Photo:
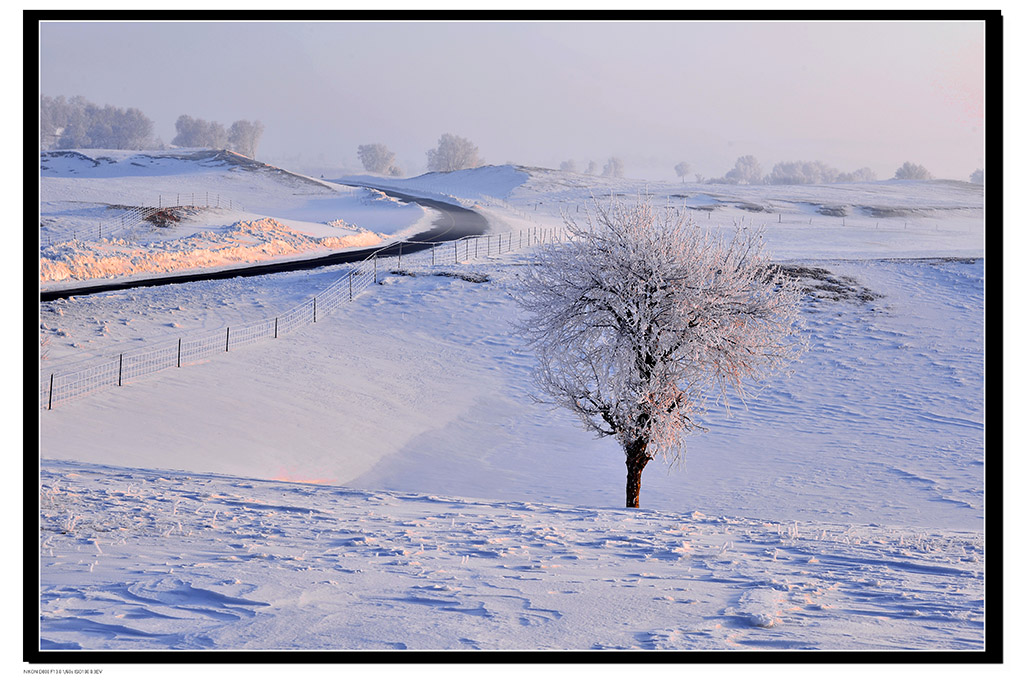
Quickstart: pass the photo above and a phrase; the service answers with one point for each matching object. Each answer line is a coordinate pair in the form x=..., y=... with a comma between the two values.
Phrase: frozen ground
x=382, y=479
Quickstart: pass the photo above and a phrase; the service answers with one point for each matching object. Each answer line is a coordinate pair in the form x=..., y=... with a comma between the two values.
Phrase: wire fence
x=58, y=386
x=131, y=216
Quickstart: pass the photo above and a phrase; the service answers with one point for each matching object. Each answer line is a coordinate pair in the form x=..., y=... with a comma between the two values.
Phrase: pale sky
x=652, y=93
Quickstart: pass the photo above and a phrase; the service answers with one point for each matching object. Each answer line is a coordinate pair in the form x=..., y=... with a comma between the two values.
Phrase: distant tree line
x=77, y=123
x=243, y=136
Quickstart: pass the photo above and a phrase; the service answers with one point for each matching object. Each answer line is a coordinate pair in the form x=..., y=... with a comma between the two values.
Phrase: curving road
x=454, y=223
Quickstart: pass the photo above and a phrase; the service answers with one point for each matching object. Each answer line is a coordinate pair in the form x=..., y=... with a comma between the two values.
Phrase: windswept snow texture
x=140, y=559
x=383, y=479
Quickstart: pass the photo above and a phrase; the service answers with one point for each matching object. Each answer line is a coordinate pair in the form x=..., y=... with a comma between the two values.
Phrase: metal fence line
x=56, y=386
x=134, y=215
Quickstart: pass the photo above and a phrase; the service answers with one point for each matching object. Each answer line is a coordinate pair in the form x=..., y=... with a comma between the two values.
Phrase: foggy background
x=651, y=93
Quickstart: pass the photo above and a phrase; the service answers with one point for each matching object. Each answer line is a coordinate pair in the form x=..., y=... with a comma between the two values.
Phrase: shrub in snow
x=864, y=174
x=641, y=317
x=453, y=153
x=911, y=171
x=568, y=166
x=978, y=176
x=802, y=173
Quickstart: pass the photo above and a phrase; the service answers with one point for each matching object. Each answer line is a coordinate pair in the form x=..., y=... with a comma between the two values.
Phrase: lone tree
x=453, y=153
x=641, y=318
x=912, y=171
x=244, y=137
x=682, y=170
x=377, y=158
x=615, y=168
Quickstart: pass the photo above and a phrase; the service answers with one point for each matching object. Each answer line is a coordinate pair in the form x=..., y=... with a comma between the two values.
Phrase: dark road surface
x=454, y=223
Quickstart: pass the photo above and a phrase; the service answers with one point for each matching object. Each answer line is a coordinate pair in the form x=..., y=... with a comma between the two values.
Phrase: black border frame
x=994, y=368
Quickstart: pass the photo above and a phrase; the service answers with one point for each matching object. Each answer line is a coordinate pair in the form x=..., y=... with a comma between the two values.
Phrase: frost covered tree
x=453, y=153
x=682, y=170
x=377, y=158
x=592, y=168
x=978, y=176
x=614, y=168
x=244, y=137
x=864, y=174
x=641, y=318
x=195, y=132
x=747, y=171
x=802, y=173
x=80, y=124
x=568, y=166
x=912, y=171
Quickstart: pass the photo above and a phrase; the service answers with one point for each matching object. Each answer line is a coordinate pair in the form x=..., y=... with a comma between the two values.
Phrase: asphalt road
x=454, y=223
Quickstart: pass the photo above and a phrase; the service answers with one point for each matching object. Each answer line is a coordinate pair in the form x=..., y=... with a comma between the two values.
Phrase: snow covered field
x=383, y=480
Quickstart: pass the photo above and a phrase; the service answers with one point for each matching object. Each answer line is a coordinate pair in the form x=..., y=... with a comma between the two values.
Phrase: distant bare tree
x=641, y=317
x=568, y=166
x=614, y=168
x=244, y=137
x=978, y=176
x=592, y=168
x=912, y=171
x=377, y=158
x=682, y=170
x=453, y=153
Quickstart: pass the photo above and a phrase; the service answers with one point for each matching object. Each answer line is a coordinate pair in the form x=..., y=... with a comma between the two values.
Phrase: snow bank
x=244, y=242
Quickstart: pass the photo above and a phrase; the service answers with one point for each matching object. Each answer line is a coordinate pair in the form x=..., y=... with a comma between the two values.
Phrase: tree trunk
x=636, y=459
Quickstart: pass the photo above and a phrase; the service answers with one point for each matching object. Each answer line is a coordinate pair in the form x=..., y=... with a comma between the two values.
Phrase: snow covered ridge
x=141, y=559
x=116, y=214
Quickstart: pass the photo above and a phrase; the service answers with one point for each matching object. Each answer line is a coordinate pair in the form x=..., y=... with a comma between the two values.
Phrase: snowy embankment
x=383, y=480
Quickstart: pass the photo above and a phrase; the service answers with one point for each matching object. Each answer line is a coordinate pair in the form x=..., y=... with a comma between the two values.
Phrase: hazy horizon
x=851, y=94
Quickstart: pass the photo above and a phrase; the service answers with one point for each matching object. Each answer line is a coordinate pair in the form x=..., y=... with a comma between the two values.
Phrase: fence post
x=275, y=327
x=120, y=363
x=49, y=404
x=227, y=339
x=476, y=247
x=432, y=262
x=179, y=352
x=374, y=281
x=314, y=310
x=399, y=255
x=456, y=245
x=350, y=285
